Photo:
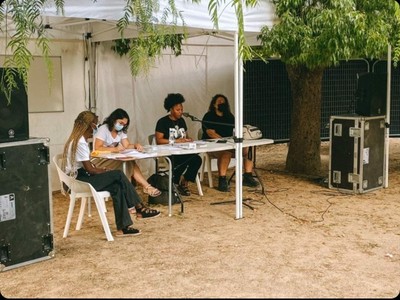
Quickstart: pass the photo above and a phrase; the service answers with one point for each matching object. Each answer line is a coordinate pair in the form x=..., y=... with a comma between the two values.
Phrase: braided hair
x=81, y=124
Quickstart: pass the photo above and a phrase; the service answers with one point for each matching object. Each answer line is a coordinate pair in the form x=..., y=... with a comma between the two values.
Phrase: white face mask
x=118, y=126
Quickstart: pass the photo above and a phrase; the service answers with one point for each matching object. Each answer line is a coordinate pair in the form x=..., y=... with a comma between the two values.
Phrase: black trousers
x=188, y=165
x=122, y=192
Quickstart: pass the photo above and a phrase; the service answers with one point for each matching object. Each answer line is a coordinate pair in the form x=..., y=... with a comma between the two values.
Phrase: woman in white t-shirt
x=111, y=136
x=76, y=163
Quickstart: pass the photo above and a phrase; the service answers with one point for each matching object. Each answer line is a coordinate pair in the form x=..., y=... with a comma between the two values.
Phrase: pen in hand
x=120, y=147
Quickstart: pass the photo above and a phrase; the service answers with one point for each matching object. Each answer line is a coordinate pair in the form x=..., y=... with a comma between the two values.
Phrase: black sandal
x=146, y=213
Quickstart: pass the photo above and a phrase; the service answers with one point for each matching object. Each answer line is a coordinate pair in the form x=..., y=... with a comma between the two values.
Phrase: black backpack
x=161, y=182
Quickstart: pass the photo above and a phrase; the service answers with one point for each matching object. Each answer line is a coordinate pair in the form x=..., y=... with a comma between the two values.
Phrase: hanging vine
x=154, y=44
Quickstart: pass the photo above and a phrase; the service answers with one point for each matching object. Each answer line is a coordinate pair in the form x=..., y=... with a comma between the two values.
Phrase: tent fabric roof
x=100, y=18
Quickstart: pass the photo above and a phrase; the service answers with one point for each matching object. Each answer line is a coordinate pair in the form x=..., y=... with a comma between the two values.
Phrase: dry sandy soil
x=301, y=240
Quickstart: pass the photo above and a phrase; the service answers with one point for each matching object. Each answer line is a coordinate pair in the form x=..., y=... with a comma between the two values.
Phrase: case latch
x=354, y=178
x=47, y=243
x=43, y=156
x=5, y=253
x=354, y=132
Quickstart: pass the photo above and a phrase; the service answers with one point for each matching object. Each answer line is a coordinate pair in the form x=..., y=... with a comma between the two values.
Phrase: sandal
x=146, y=212
x=151, y=191
x=128, y=231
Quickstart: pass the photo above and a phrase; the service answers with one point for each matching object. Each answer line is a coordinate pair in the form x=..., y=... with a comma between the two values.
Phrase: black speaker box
x=14, y=118
x=371, y=94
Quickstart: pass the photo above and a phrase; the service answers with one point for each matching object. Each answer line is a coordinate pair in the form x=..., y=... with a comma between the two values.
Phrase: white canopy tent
x=96, y=22
x=99, y=19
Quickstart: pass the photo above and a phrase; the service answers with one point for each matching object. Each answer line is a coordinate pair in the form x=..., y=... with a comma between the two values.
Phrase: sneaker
x=128, y=231
x=146, y=213
x=223, y=184
x=183, y=190
x=248, y=180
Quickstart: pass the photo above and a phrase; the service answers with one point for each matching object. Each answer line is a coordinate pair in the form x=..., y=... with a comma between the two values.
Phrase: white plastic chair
x=84, y=191
x=162, y=165
x=210, y=163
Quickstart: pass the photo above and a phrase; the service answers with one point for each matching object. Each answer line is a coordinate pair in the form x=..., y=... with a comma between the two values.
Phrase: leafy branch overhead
x=25, y=15
x=149, y=47
x=321, y=33
x=156, y=29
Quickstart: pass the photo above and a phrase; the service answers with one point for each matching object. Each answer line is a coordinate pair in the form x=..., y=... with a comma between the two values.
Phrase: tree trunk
x=305, y=137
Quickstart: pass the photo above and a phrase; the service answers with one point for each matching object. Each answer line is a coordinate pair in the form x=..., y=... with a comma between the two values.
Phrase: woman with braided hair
x=76, y=163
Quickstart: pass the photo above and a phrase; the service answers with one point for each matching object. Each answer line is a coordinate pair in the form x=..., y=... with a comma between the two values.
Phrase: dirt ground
x=302, y=240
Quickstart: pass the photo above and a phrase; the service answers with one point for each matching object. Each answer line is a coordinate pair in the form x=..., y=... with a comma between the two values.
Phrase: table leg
x=170, y=186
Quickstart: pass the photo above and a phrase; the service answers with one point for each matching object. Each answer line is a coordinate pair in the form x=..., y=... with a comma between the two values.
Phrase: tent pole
x=238, y=136
x=388, y=86
x=90, y=60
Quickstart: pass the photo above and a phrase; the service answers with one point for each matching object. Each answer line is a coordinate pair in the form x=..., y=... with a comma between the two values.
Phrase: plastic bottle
x=171, y=140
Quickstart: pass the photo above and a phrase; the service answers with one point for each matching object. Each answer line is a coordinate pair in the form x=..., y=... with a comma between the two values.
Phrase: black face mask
x=223, y=107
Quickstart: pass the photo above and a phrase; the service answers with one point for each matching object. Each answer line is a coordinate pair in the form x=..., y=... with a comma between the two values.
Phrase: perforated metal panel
x=267, y=97
x=338, y=91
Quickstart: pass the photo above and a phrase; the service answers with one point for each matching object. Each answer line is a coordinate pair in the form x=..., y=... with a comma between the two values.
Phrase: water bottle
x=171, y=140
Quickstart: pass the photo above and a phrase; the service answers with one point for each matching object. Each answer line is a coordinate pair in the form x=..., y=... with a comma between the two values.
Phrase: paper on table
x=130, y=152
x=115, y=156
x=137, y=154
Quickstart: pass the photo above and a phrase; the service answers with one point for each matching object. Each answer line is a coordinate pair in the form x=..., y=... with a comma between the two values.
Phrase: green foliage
x=153, y=44
x=216, y=6
x=320, y=33
x=28, y=25
x=152, y=39
x=143, y=52
x=396, y=48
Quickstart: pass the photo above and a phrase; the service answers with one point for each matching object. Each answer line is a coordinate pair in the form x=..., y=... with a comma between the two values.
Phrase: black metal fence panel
x=267, y=97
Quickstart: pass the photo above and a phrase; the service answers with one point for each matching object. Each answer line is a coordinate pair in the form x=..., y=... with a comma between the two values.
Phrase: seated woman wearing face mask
x=219, y=122
x=112, y=136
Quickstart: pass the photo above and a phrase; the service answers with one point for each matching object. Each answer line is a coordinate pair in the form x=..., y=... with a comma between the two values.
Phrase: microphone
x=187, y=115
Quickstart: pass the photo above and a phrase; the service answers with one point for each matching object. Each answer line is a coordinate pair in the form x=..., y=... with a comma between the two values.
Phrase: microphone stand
x=193, y=118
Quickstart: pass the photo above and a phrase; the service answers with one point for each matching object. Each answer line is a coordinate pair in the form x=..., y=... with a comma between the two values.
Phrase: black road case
x=26, y=229
x=357, y=153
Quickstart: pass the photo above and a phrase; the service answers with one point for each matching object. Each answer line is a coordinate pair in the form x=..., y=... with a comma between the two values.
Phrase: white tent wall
x=84, y=16
x=198, y=74
x=58, y=125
